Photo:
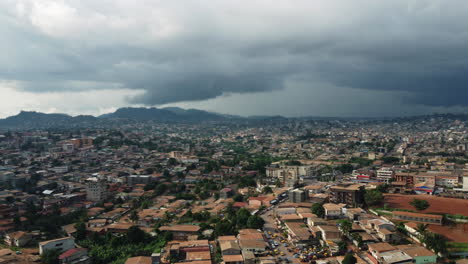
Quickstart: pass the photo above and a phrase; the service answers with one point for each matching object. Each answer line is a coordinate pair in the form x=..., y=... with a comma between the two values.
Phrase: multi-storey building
x=384, y=174
x=289, y=174
x=297, y=196
x=96, y=189
x=350, y=194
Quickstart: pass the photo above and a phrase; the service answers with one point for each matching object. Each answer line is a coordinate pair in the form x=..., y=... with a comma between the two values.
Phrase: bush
x=420, y=204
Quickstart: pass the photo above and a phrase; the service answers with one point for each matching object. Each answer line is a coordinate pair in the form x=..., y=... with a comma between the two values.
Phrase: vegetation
x=317, y=209
x=390, y=160
x=116, y=249
x=349, y=259
x=234, y=221
x=50, y=256
x=373, y=197
x=420, y=204
x=345, y=226
x=361, y=161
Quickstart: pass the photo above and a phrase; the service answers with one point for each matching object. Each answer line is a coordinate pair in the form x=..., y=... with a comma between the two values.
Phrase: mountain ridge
x=33, y=119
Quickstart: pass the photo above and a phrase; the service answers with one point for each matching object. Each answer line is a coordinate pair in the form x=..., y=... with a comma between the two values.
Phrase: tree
x=317, y=209
x=342, y=246
x=172, y=162
x=134, y=216
x=373, y=197
x=383, y=188
x=80, y=230
x=436, y=242
x=349, y=259
x=358, y=239
x=238, y=198
x=136, y=235
x=390, y=160
x=50, y=256
x=420, y=204
x=345, y=226
x=421, y=228
x=242, y=217
x=267, y=189
x=255, y=222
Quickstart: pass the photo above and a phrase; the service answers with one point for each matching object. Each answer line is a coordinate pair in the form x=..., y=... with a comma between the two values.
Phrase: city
x=272, y=191
x=233, y=132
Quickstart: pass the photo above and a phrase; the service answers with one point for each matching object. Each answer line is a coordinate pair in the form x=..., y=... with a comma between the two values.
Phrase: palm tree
x=421, y=229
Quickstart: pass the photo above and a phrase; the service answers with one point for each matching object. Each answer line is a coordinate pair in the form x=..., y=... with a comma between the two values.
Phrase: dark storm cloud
x=202, y=50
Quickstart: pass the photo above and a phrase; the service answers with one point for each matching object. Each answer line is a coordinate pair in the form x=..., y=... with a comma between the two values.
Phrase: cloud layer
x=197, y=50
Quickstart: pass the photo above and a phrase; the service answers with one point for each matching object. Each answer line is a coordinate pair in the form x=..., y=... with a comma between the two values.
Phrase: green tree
x=373, y=197
x=267, y=189
x=255, y=222
x=80, y=230
x=134, y=216
x=50, y=256
x=345, y=226
x=342, y=246
x=238, y=198
x=136, y=235
x=420, y=204
x=436, y=242
x=317, y=209
x=383, y=188
x=349, y=259
x=242, y=218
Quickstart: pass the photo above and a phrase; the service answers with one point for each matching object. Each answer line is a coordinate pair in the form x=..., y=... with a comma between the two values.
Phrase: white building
x=96, y=189
x=60, y=244
x=289, y=174
x=384, y=174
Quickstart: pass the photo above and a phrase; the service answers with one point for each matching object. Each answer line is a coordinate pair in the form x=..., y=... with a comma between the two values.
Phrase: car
x=285, y=244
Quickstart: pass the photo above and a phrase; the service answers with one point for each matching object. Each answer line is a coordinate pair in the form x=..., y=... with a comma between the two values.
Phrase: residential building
x=350, y=194
x=297, y=196
x=96, y=189
x=60, y=244
x=417, y=217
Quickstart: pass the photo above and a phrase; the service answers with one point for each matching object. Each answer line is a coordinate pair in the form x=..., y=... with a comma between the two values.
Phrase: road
x=270, y=226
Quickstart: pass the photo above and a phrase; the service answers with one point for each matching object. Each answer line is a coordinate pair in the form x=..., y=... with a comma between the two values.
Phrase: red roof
x=239, y=204
x=70, y=252
x=259, y=198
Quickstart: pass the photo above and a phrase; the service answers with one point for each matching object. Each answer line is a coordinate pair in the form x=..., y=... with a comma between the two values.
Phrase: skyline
x=290, y=58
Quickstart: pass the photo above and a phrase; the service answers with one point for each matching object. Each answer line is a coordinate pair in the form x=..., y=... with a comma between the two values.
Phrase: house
x=412, y=229
x=298, y=233
x=329, y=232
x=233, y=259
x=420, y=254
x=333, y=210
x=60, y=244
x=75, y=256
x=229, y=247
x=417, y=217
x=375, y=249
x=181, y=232
x=255, y=246
x=18, y=238
x=395, y=257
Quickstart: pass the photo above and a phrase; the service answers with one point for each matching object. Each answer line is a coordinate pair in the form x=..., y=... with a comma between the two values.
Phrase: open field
x=456, y=233
x=438, y=205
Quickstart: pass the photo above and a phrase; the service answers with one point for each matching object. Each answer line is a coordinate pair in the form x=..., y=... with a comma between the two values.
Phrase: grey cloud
x=417, y=47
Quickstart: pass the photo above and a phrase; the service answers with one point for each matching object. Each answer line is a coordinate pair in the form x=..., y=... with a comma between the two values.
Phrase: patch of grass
x=457, y=247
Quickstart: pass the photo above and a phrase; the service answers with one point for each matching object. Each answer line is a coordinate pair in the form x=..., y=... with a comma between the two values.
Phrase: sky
x=257, y=57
